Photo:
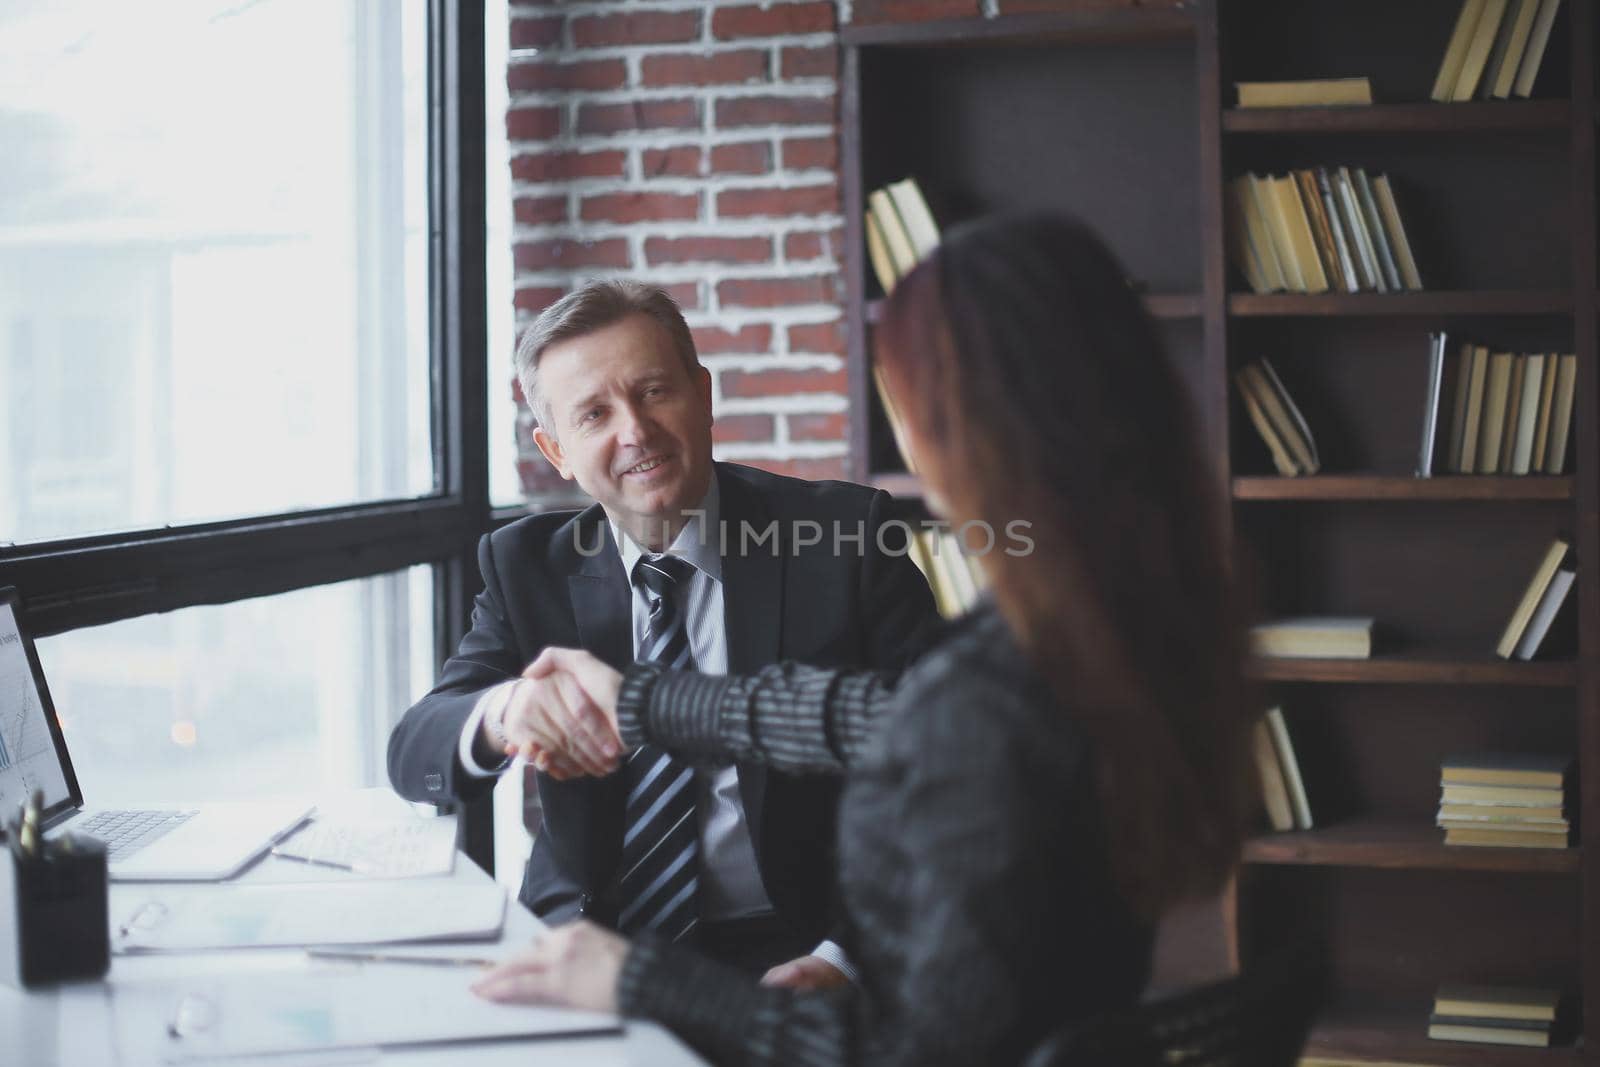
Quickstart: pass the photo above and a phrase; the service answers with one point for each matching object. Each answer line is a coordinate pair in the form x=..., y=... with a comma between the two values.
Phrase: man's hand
x=595, y=684
x=539, y=721
x=572, y=966
x=805, y=973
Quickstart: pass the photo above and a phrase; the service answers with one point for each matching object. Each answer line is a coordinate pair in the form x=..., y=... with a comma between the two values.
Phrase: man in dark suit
x=690, y=563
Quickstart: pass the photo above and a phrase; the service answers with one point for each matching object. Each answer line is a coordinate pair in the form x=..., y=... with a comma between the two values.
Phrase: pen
x=335, y=864
x=398, y=957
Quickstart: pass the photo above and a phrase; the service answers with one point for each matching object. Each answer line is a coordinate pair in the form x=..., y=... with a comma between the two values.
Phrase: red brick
x=830, y=427
x=592, y=75
x=563, y=252
x=746, y=157
x=802, y=200
x=707, y=250
x=775, y=292
x=568, y=166
x=539, y=210
x=702, y=68
x=537, y=298
x=742, y=383
x=638, y=115
x=743, y=428
x=775, y=111
x=533, y=123
x=640, y=207
x=685, y=294
x=802, y=246
x=639, y=27
x=864, y=12
x=679, y=161
x=825, y=337
x=812, y=469
x=801, y=62
x=778, y=20
x=713, y=340
x=811, y=153
x=536, y=32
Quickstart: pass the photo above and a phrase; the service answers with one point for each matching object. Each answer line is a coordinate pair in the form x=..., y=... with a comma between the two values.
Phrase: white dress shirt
x=730, y=880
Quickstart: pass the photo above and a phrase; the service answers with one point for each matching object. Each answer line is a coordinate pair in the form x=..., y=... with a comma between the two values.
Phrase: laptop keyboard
x=124, y=832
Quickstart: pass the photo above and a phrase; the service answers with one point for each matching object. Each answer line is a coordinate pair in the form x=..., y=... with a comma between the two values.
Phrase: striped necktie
x=660, y=844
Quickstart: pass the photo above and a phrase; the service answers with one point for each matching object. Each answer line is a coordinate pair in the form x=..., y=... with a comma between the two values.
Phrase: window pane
x=213, y=260
x=505, y=487
x=283, y=694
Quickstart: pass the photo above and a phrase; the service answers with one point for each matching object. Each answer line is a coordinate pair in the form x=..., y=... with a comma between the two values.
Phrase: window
x=213, y=260
x=285, y=694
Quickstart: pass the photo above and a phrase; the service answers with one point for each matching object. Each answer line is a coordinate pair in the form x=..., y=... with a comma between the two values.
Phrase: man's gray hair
x=588, y=309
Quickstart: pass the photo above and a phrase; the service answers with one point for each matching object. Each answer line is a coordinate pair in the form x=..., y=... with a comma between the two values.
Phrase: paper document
x=390, y=848
x=324, y=913
x=367, y=1005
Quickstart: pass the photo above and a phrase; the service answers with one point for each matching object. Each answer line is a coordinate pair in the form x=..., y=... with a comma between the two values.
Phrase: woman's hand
x=571, y=966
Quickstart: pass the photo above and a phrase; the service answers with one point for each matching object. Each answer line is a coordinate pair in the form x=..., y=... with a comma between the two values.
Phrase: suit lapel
x=752, y=608
x=603, y=610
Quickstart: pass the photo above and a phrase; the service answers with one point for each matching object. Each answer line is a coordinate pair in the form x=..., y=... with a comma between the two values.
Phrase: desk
x=31, y=1021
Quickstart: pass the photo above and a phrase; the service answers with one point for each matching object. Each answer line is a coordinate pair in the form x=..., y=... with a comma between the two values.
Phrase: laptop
x=206, y=843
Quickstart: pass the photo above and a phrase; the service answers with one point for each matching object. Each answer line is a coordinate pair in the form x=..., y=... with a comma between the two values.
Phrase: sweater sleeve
x=789, y=716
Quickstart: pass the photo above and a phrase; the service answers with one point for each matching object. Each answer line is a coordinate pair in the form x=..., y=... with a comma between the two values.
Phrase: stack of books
x=1505, y=800
x=1283, y=791
x=1546, y=594
x=1509, y=413
x=1494, y=1015
x=956, y=578
x=1495, y=50
x=1314, y=637
x=1277, y=419
x=1315, y=230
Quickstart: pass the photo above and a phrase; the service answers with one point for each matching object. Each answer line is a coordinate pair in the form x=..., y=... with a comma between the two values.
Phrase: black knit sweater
x=972, y=864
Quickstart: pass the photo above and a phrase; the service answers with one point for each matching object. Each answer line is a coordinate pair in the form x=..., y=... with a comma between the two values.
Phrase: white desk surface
x=31, y=1020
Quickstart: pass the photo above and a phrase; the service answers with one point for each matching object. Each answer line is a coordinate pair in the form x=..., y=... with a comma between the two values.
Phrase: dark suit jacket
x=783, y=601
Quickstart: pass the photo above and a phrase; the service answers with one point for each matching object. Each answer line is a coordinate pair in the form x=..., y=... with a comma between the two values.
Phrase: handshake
x=561, y=715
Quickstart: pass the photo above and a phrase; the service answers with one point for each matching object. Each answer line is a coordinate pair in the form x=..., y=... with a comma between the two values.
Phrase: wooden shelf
x=1476, y=117
x=1416, y=669
x=1067, y=27
x=1395, y=1030
x=1356, y=305
x=1407, y=846
x=1399, y=487
x=1159, y=305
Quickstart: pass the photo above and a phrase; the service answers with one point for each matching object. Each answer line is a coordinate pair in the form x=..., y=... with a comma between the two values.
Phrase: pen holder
x=53, y=923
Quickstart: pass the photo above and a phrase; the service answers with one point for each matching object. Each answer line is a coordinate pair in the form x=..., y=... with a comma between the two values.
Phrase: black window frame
x=76, y=582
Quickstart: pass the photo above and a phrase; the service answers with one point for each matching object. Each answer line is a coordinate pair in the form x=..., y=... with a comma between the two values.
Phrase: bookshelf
x=1123, y=116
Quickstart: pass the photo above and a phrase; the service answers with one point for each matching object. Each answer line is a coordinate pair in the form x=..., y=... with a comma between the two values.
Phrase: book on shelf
x=1497, y=1002
x=1555, y=457
x=878, y=254
x=1405, y=259
x=1485, y=1032
x=902, y=254
x=1289, y=764
x=1543, y=575
x=1274, y=789
x=1506, y=59
x=1495, y=50
x=1506, y=768
x=1307, y=92
x=1322, y=229
x=1551, y=607
x=1314, y=637
x=1493, y=423
x=1505, y=837
x=1503, y=796
x=1507, y=411
x=1294, y=227
x=1494, y=814
x=1533, y=51
x=1435, y=433
x=1475, y=378
x=1277, y=419
x=1382, y=249
x=920, y=228
x=1530, y=392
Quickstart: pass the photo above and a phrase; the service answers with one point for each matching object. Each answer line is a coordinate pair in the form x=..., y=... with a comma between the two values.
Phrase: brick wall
x=695, y=144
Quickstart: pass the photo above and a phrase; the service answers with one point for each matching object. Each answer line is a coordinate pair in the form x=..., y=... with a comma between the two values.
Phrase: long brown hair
x=1030, y=371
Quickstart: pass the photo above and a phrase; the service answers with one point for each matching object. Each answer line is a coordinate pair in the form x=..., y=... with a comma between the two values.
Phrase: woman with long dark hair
x=1070, y=761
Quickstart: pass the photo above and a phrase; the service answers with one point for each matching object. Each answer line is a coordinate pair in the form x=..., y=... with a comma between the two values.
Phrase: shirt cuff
x=830, y=953
x=491, y=698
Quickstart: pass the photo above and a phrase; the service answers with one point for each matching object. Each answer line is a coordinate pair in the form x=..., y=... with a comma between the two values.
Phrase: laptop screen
x=33, y=754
